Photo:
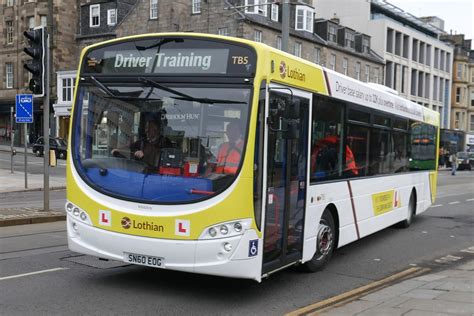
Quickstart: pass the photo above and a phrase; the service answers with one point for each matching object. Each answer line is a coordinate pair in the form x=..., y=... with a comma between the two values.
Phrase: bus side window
x=326, y=145
x=357, y=146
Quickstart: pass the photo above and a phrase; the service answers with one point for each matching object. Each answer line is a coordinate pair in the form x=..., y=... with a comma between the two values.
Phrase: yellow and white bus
x=316, y=160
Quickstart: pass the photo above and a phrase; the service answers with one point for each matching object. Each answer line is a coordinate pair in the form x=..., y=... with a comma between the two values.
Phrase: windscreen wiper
x=112, y=95
x=186, y=97
x=101, y=86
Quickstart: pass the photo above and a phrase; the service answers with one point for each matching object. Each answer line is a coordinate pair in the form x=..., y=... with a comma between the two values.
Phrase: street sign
x=24, y=108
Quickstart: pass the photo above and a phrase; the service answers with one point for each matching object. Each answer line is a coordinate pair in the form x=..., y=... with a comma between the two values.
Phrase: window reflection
x=148, y=144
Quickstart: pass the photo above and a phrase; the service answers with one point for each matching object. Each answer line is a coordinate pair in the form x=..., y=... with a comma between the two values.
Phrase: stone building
x=16, y=16
x=348, y=52
x=101, y=20
x=417, y=62
x=240, y=18
x=462, y=95
x=97, y=21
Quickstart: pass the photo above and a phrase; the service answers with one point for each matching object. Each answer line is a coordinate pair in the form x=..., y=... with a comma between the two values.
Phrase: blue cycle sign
x=24, y=108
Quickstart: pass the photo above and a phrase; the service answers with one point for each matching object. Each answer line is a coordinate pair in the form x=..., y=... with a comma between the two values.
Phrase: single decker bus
x=223, y=156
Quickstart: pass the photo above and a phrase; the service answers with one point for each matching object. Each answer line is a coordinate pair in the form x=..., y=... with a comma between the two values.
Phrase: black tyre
x=326, y=241
x=410, y=213
x=62, y=155
x=38, y=153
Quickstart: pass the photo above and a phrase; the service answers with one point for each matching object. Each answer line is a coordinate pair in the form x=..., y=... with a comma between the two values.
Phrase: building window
x=257, y=36
x=471, y=125
x=67, y=89
x=224, y=31
x=9, y=75
x=317, y=55
x=9, y=32
x=31, y=22
x=357, y=74
x=278, y=42
x=376, y=75
x=367, y=73
x=459, y=72
x=153, y=9
x=332, y=33
x=111, y=16
x=253, y=7
x=344, y=65
x=458, y=94
x=457, y=116
x=10, y=3
x=94, y=15
x=196, y=6
x=43, y=20
x=332, y=65
x=304, y=18
x=297, y=49
x=275, y=12
x=349, y=40
x=365, y=45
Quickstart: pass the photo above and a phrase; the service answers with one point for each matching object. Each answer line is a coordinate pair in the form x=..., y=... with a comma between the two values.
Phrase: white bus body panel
x=197, y=256
x=338, y=194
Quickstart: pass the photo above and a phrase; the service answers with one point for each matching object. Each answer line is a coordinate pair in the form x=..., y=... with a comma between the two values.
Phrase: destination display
x=171, y=56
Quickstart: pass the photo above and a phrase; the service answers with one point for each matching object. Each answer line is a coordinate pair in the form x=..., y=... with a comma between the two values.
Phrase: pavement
x=446, y=291
x=15, y=182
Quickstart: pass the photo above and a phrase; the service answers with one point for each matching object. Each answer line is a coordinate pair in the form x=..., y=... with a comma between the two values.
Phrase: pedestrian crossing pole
x=46, y=129
x=11, y=138
x=26, y=164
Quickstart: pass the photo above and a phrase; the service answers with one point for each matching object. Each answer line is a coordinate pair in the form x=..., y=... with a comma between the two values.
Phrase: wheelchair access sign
x=24, y=108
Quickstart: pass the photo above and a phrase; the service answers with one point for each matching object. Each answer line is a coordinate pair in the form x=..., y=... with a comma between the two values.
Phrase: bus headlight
x=83, y=216
x=212, y=232
x=69, y=207
x=78, y=214
x=228, y=246
x=238, y=227
x=76, y=211
x=224, y=230
x=227, y=229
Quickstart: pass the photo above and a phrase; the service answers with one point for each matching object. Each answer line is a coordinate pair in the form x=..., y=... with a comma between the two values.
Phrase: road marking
x=468, y=250
x=437, y=205
x=448, y=258
x=356, y=293
x=469, y=200
x=455, y=202
x=31, y=273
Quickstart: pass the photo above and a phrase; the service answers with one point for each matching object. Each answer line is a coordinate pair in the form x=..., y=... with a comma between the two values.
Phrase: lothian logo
x=126, y=222
x=282, y=69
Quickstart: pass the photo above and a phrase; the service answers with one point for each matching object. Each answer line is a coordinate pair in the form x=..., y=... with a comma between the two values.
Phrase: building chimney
x=335, y=19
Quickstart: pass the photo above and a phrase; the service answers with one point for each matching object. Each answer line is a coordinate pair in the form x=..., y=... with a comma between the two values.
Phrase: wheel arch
x=414, y=194
x=331, y=207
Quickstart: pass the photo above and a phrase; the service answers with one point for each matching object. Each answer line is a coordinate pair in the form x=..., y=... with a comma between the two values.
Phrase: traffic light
x=37, y=39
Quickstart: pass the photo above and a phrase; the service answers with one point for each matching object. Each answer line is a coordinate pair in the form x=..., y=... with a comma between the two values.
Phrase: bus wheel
x=411, y=212
x=325, y=243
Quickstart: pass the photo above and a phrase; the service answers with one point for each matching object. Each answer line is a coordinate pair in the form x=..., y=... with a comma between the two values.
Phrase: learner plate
x=144, y=260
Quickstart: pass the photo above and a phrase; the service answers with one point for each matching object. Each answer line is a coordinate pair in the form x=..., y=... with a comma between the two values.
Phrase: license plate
x=144, y=260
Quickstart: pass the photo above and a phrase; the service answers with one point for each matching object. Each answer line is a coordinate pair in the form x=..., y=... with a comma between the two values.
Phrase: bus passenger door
x=287, y=163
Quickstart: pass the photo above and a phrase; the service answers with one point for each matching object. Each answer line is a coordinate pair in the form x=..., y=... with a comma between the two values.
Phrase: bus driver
x=147, y=148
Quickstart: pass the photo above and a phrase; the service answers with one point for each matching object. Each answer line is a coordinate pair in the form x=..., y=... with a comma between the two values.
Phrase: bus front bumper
x=197, y=256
